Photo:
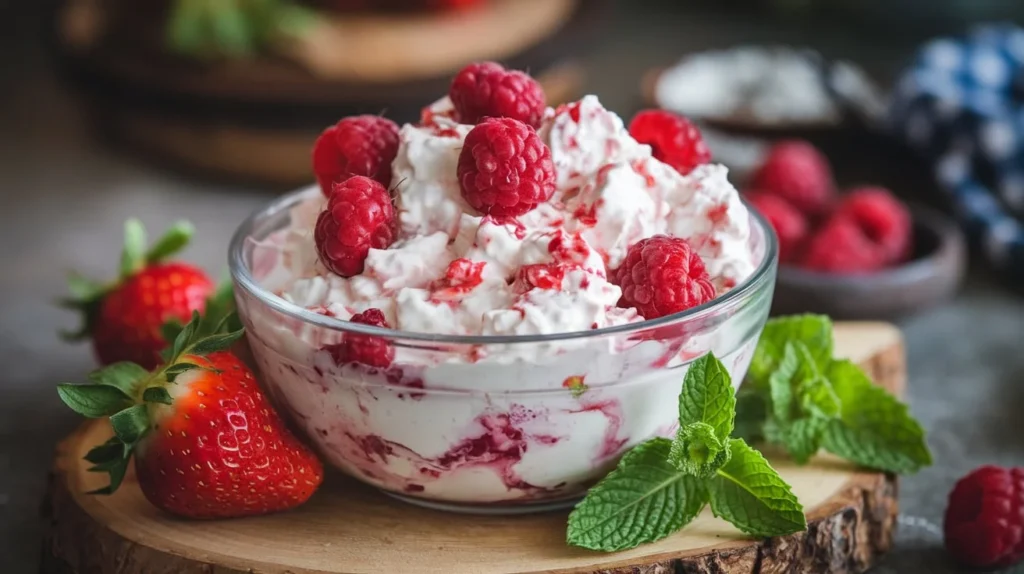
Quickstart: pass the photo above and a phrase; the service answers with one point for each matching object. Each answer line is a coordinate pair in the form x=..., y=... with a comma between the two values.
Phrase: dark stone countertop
x=63, y=198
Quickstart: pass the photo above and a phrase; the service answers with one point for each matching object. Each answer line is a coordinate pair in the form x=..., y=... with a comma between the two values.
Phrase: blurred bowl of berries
x=857, y=252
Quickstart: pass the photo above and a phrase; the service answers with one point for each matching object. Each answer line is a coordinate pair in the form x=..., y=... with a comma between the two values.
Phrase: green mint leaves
x=662, y=485
x=644, y=499
x=749, y=493
x=798, y=396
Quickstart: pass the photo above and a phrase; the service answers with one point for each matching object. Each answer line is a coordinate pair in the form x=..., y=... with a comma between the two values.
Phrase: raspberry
x=358, y=216
x=662, y=275
x=504, y=168
x=789, y=224
x=796, y=171
x=882, y=218
x=841, y=247
x=673, y=139
x=358, y=145
x=488, y=90
x=364, y=349
x=984, y=523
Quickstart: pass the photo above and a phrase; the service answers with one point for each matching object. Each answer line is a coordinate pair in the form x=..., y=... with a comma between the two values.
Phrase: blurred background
x=190, y=109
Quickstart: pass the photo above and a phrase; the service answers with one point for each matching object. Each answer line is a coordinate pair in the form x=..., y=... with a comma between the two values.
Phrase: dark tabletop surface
x=63, y=198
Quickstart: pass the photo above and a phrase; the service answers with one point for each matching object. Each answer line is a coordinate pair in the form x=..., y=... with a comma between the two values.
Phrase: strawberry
x=206, y=441
x=124, y=318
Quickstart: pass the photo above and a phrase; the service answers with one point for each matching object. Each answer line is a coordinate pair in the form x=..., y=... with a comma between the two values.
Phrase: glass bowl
x=487, y=423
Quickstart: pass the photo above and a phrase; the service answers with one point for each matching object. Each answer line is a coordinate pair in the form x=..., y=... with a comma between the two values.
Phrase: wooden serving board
x=350, y=528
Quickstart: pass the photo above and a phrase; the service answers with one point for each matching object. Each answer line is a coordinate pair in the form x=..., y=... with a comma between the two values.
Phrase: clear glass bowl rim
x=243, y=278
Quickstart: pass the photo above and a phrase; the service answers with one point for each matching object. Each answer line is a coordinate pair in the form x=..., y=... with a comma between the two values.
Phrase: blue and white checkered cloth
x=961, y=104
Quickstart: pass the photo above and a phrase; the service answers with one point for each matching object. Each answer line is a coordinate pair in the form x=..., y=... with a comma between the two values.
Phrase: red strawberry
x=206, y=440
x=125, y=318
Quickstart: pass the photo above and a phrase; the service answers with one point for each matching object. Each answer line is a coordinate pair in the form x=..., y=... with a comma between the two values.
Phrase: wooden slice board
x=350, y=528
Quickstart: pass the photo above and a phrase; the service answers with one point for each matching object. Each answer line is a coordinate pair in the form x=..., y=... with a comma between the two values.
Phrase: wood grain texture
x=348, y=528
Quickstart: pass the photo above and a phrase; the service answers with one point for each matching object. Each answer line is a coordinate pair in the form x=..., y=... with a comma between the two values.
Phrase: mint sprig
x=660, y=486
x=799, y=397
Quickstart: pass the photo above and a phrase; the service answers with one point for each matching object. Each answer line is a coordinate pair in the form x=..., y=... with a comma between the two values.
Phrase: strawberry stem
x=125, y=392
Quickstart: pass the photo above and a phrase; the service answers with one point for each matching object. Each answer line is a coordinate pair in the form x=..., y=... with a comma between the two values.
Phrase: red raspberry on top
x=504, y=168
x=488, y=90
x=358, y=145
x=797, y=172
x=358, y=216
x=662, y=275
x=364, y=349
x=673, y=139
x=984, y=523
x=789, y=224
x=840, y=246
x=883, y=219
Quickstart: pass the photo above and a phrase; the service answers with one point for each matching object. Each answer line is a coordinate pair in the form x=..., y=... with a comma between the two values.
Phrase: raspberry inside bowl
x=485, y=423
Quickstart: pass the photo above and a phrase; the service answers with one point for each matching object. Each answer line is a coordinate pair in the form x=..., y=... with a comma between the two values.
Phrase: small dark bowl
x=930, y=278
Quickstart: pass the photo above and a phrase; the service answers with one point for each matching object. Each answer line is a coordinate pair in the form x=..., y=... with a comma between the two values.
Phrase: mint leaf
x=817, y=399
x=781, y=382
x=751, y=414
x=124, y=375
x=172, y=241
x=93, y=401
x=697, y=451
x=133, y=254
x=644, y=499
x=748, y=493
x=708, y=397
x=874, y=429
x=802, y=437
x=814, y=331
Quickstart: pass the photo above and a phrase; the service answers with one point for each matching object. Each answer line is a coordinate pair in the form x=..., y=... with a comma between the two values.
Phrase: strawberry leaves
x=133, y=254
x=86, y=295
x=127, y=393
x=93, y=401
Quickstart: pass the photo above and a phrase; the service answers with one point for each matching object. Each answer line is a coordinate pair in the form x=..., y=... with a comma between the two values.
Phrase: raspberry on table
x=364, y=349
x=984, y=522
x=357, y=145
x=841, y=247
x=789, y=224
x=358, y=216
x=797, y=172
x=504, y=168
x=487, y=90
x=884, y=219
x=662, y=275
x=674, y=140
